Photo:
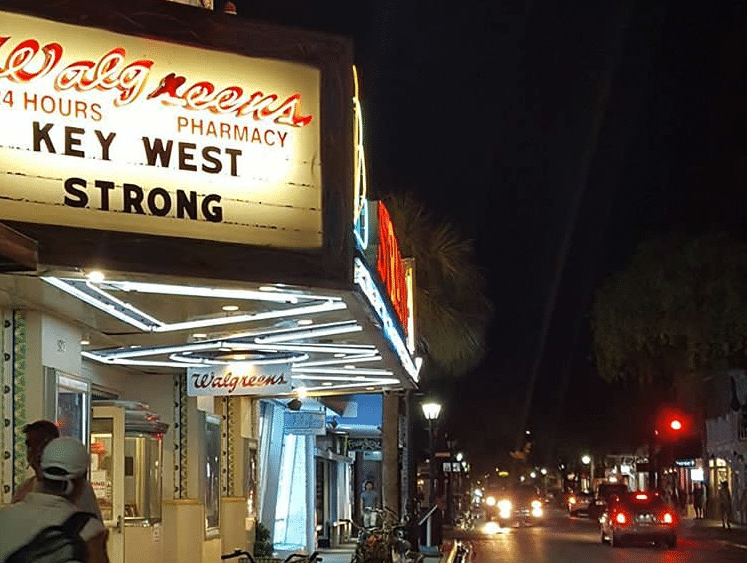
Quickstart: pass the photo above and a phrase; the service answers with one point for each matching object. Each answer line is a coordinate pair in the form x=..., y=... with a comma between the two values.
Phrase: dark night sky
x=556, y=135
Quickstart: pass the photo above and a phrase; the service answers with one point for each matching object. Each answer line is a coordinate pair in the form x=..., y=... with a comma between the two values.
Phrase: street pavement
x=572, y=540
x=563, y=539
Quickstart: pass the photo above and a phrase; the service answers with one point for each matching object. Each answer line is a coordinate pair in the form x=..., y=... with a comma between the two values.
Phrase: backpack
x=56, y=544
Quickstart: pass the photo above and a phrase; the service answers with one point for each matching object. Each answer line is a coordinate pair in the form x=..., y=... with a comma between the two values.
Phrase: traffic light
x=673, y=424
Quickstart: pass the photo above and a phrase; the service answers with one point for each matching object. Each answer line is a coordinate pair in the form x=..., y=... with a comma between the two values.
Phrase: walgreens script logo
x=29, y=61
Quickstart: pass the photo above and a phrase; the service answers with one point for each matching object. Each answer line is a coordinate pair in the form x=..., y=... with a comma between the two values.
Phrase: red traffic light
x=673, y=424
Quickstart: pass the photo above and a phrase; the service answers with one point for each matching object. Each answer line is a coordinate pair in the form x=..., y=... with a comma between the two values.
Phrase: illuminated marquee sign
x=365, y=281
x=390, y=266
x=239, y=379
x=107, y=131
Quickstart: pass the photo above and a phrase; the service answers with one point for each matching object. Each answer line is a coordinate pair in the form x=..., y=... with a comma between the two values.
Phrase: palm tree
x=452, y=308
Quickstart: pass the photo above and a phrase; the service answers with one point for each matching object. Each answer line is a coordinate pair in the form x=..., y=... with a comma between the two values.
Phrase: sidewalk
x=344, y=554
x=341, y=554
x=712, y=529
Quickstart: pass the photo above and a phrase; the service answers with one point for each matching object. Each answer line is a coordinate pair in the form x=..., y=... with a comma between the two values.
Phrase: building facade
x=189, y=286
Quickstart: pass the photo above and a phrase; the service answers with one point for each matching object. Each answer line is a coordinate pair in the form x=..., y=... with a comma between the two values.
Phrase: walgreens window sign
x=239, y=379
x=106, y=131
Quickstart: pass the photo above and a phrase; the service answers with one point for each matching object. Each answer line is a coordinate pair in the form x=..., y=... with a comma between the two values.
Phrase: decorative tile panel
x=6, y=408
x=20, y=358
x=180, y=436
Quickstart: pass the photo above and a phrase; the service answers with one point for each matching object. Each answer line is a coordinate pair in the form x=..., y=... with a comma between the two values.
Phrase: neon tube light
x=311, y=333
x=339, y=371
x=109, y=309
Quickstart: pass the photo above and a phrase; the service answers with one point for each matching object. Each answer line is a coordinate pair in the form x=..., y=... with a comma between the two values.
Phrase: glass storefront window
x=73, y=396
x=211, y=468
x=102, y=470
x=250, y=479
x=142, y=478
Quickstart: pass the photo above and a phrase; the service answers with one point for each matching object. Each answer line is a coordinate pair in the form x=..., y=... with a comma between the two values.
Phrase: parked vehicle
x=642, y=516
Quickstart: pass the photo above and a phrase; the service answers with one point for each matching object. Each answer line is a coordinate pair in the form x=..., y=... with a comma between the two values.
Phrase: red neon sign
x=29, y=61
x=390, y=267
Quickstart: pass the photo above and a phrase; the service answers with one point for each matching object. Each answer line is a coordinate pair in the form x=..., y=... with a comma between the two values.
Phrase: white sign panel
x=306, y=423
x=107, y=131
x=239, y=379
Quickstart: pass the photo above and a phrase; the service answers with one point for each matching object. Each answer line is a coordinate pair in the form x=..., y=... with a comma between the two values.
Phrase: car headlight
x=490, y=501
x=505, y=505
x=491, y=528
x=536, y=504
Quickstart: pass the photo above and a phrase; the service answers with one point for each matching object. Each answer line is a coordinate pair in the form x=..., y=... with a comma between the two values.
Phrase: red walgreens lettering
x=23, y=58
x=205, y=96
x=108, y=73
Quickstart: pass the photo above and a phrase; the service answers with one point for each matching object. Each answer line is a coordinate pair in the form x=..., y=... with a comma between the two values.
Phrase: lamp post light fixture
x=586, y=459
x=431, y=412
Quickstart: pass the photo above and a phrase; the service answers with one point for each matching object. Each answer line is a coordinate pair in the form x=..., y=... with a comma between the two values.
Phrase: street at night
x=570, y=540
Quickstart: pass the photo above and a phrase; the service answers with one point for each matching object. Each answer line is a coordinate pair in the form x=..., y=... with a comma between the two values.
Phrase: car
x=578, y=503
x=520, y=505
x=604, y=492
x=640, y=515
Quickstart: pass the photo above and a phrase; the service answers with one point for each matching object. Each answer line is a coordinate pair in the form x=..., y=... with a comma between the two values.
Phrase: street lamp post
x=586, y=459
x=431, y=412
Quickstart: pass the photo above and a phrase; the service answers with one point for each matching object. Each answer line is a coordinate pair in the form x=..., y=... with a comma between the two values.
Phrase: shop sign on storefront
x=391, y=268
x=307, y=423
x=684, y=462
x=239, y=379
x=107, y=131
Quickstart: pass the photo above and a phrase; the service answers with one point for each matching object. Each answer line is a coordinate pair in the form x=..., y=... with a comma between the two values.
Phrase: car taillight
x=667, y=517
x=621, y=518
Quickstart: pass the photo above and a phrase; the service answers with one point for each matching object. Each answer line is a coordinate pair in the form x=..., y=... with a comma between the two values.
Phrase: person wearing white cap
x=64, y=463
x=38, y=435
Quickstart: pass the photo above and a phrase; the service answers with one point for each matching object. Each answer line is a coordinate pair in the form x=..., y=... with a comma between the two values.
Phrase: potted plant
x=263, y=545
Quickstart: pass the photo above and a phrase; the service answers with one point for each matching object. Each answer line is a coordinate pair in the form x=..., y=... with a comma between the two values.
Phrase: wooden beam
x=17, y=251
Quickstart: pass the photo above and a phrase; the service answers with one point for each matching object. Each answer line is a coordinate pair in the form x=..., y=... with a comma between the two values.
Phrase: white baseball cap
x=64, y=459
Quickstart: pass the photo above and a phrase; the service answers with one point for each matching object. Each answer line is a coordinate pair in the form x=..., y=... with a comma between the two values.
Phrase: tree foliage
x=678, y=310
x=452, y=309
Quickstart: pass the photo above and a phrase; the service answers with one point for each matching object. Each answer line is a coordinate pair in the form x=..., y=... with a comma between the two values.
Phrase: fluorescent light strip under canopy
x=359, y=378
x=342, y=328
x=350, y=386
x=123, y=355
x=287, y=359
x=85, y=291
x=95, y=302
x=338, y=371
x=234, y=319
x=279, y=296
x=338, y=361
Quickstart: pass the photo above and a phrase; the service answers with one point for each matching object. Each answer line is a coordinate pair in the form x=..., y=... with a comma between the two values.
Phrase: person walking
x=38, y=435
x=724, y=501
x=698, y=500
x=62, y=476
x=369, y=504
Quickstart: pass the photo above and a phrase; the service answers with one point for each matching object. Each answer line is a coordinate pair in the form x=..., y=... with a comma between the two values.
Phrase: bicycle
x=246, y=557
x=386, y=543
